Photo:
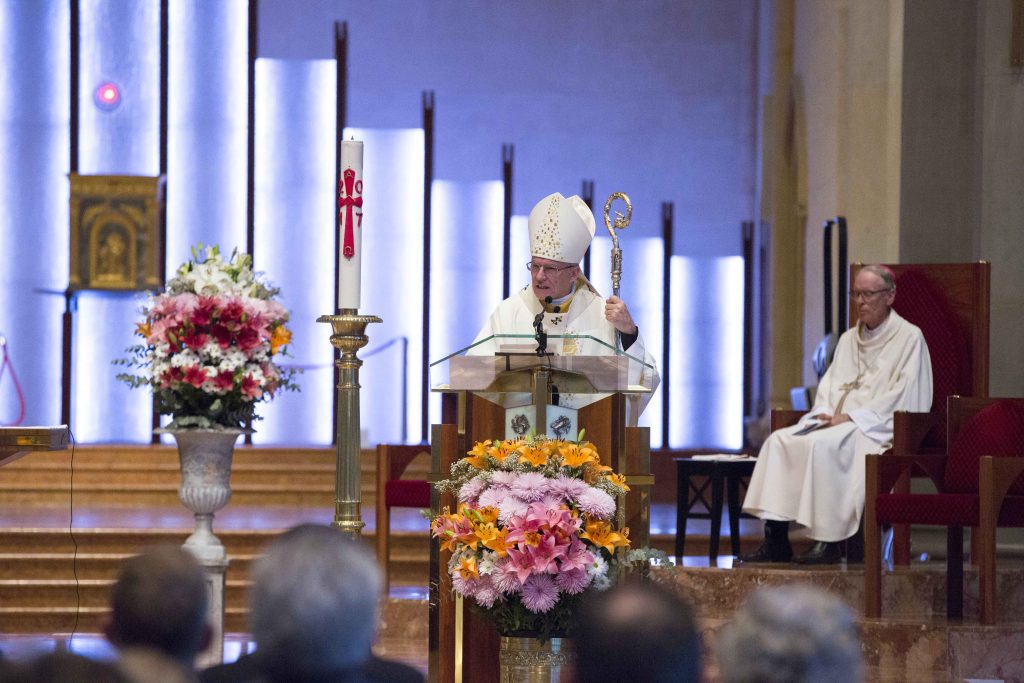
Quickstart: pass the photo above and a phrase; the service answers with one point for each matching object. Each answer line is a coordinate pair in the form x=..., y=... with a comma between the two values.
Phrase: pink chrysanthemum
x=510, y=507
x=481, y=589
x=530, y=486
x=489, y=497
x=540, y=593
x=486, y=594
x=596, y=503
x=551, y=501
x=471, y=490
x=568, y=488
x=573, y=581
x=501, y=479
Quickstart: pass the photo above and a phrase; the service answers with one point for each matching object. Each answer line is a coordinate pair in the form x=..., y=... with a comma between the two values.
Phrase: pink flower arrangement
x=209, y=343
x=533, y=532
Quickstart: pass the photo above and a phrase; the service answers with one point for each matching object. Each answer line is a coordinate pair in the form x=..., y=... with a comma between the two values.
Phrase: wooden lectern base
x=463, y=644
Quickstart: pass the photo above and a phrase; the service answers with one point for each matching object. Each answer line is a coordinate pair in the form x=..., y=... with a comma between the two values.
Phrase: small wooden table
x=722, y=477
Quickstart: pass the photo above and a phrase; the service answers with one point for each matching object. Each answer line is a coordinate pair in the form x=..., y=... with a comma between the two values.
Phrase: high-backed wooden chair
x=979, y=485
x=394, y=491
x=949, y=302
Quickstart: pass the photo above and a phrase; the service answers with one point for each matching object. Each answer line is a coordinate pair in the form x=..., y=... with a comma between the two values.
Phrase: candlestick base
x=349, y=336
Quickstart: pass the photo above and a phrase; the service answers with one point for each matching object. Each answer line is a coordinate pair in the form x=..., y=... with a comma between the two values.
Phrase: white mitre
x=561, y=228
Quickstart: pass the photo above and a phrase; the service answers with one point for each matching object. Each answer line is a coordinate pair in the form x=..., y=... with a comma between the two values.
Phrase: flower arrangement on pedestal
x=533, y=532
x=209, y=343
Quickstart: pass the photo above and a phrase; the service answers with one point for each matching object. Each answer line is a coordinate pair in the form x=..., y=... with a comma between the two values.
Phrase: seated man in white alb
x=561, y=230
x=813, y=473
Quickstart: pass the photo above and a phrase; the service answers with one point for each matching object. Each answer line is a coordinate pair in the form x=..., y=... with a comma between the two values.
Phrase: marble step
x=403, y=621
x=917, y=592
x=127, y=476
x=912, y=642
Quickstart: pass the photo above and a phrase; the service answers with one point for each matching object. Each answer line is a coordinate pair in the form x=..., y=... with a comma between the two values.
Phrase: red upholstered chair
x=394, y=491
x=979, y=485
x=949, y=302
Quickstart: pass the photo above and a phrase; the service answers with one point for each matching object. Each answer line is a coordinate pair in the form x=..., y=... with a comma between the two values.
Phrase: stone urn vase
x=525, y=659
x=205, y=457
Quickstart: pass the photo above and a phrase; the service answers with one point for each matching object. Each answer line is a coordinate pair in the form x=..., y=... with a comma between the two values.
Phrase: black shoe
x=769, y=552
x=775, y=547
x=822, y=552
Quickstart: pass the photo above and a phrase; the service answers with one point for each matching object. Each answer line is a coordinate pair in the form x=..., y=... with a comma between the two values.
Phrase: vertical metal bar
x=405, y=389
x=827, y=271
x=67, y=322
x=506, y=174
x=588, y=198
x=341, y=97
x=162, y=165
x=748, y=321
x=667, y=230
x=74, y=40
x=762, y=321
x=341, y=77
x=250, y=202
x=250, y=218
x=428, y=182
x=1017, y=35
x=842, y=301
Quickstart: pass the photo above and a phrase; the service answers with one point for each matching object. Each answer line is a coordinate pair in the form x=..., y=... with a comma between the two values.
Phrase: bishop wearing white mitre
x=561, y=230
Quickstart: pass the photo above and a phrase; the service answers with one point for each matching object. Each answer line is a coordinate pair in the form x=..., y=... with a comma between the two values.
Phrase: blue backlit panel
x=294, y=242
x=34, y=189
x=642, y=289
x=466, y=269
x=104, y=409
x=207, y=126
x=392, y=282
x=707, y=353
x=119, y=43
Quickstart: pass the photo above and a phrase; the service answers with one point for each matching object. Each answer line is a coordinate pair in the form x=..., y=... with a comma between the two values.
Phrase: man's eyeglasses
x=537, y=268
x=866, y=294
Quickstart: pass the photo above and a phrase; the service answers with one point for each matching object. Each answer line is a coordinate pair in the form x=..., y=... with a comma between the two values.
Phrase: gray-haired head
x=314, y=603
x=884, y=272
x=791, y=634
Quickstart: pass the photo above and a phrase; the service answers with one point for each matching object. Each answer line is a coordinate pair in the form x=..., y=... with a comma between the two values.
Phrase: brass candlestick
x=349, y=336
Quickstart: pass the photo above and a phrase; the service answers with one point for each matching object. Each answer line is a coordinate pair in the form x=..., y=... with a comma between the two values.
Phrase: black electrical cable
x=74, y=542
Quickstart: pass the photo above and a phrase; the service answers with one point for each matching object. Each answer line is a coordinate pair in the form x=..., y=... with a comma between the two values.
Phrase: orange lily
x=492, y=538
x=279, y=337
x=618, y=480
x=467, y=568
x=601, y=534
x=478, y=456
x=577, y=455
x=535, y=456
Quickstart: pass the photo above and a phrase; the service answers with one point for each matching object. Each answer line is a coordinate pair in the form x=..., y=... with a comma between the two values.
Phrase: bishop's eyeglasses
x=551, y=270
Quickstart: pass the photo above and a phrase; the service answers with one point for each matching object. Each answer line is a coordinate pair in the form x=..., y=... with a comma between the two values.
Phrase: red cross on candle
x=350, y=194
